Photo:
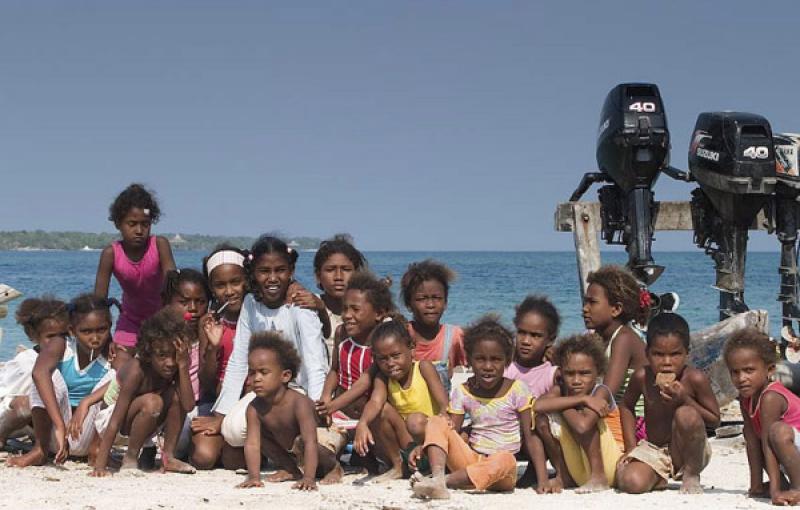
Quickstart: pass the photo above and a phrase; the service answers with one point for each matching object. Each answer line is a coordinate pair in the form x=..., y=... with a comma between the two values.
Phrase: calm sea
x=487, y=281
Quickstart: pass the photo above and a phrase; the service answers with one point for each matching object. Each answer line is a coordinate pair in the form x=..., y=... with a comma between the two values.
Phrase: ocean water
x=487, y=282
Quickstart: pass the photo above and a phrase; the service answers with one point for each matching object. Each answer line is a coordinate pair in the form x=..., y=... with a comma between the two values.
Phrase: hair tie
x=178, y=271
x=249, y=257
x=387, y=319
x=146, y=212
x=645, y=299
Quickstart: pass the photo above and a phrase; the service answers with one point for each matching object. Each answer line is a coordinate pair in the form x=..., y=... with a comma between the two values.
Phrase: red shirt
x=432, y=350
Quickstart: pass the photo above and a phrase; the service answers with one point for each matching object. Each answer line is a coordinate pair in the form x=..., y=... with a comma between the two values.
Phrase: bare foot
x=35, y=457
x=394, y=473
x=593, y=485
x=281, y=476
x=128, y=464
x=554, y=486
x=333, y=476
x=691, y=485
x=174, y=465
x=431, y=488
x=786, y=498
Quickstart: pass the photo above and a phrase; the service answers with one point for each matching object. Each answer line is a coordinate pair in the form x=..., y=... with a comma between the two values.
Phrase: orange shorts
x=495, y=472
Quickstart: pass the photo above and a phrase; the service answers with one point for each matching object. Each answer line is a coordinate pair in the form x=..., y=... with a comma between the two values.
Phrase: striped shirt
x=354, y=360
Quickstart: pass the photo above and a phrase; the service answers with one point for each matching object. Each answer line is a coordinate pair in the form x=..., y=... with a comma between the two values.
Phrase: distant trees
x=41, y=240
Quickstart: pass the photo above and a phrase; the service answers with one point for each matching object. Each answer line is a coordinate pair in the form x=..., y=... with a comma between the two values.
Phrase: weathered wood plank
x=585, y=236
x=670, y=215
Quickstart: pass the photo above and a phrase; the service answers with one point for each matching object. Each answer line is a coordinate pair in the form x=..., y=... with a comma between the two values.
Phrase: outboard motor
x=632, y=149
x=731, y=157
x=786, y=211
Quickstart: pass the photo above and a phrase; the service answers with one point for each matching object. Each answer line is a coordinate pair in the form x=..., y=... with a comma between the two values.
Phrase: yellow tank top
x=416, y=399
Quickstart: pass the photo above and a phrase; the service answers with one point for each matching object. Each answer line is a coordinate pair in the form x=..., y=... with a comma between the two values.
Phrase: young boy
x=281, y=422
x=679, y=405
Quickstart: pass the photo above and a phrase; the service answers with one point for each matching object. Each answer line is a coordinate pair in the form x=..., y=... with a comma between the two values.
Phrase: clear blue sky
x=412, y=125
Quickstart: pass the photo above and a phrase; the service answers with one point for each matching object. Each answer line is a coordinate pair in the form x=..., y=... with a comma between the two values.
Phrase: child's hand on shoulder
x=597, y=404
x=250, y=483
x=305, y=484
x=299, y=296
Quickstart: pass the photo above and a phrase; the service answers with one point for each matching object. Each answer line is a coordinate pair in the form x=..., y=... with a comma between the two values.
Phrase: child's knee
x=688, y=419
x=541, y=424
x=204, y=457
x=152, y=404
x=781, y=434
x=416, y=423
x=631, y=480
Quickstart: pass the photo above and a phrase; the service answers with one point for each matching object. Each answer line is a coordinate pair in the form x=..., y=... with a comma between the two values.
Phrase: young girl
x=42, y=319
x=334, y=263
x=587, y=450
x=613, y=300
x=185, y=290
x=227, y=279
x=771, y=416
x=66, y=373
x=270, y=267
x=537, y=322
x=501, y=422
x=149, y=390
x=367, y=302
x=404, y=394
x=139, y=262
x=424, y=289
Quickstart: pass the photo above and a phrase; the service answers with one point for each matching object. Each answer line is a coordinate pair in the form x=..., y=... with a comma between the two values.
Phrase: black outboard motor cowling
x=732, y=157
x=632, y=149
x=633, y=139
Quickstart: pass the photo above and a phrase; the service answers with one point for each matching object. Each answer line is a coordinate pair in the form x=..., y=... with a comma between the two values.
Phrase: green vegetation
x=41, y=240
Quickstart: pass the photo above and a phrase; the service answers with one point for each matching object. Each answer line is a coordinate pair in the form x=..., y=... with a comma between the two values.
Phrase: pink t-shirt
x=432, y=350
x=790, y=417
x=539, y=379
x=141, y=290
x=495, y=421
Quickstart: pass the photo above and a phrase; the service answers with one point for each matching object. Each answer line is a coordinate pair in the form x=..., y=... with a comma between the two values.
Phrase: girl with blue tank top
x=70, y=376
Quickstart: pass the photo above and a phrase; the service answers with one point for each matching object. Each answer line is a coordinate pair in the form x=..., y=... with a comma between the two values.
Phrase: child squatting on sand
x=678, y=406
x=771, y=417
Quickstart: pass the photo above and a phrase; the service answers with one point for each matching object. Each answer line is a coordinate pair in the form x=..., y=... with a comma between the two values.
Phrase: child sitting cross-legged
x=281, y=422
x=501, y=422
x=678, y=406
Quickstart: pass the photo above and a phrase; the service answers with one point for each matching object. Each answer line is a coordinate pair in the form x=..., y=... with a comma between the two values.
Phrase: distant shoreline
x=40, y=240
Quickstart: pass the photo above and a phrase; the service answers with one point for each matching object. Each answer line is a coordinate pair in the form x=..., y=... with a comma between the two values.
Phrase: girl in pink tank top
x=138, y=261
x=771, y=416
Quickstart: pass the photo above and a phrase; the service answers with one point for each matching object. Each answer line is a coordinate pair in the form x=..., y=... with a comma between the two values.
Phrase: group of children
x=239, y=363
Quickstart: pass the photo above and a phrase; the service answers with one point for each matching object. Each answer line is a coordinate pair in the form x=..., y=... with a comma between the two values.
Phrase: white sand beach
x=725, y=481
